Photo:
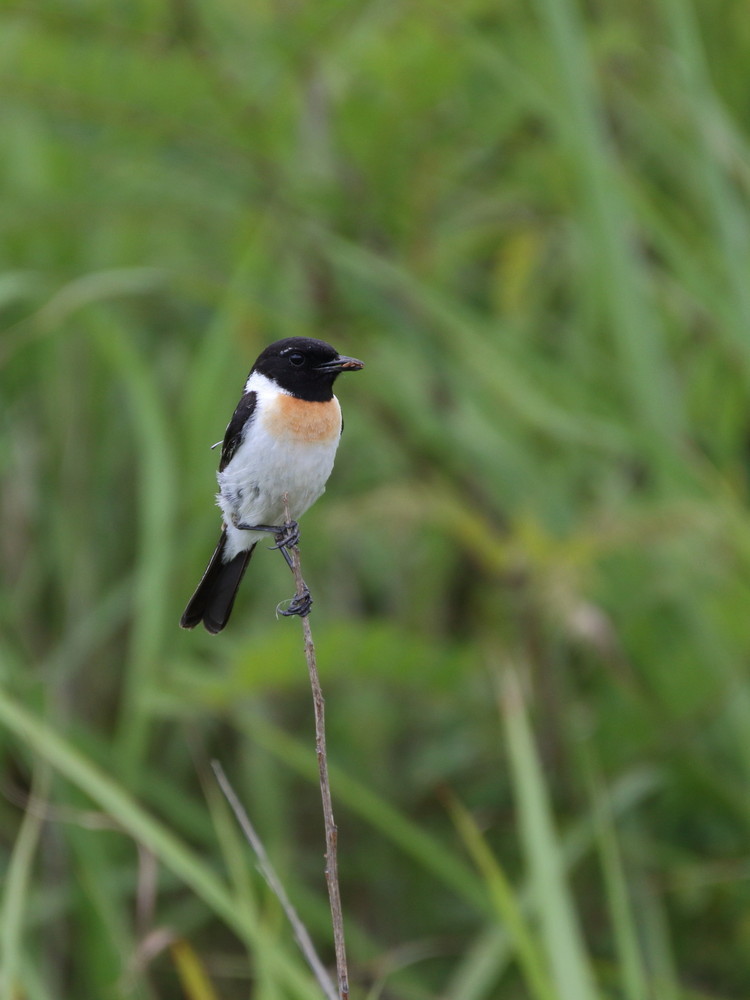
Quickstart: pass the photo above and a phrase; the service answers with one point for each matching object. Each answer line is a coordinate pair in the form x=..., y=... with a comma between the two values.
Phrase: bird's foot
x=300, y=604
x=287, y=536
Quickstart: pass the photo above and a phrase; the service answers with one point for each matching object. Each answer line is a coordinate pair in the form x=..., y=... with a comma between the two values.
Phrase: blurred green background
x=532, y=565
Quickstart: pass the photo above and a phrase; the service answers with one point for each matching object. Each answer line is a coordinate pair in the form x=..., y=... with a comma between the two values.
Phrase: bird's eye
x=297, y=359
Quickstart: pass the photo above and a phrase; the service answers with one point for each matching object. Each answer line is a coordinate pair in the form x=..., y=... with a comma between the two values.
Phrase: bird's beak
x=341, y=364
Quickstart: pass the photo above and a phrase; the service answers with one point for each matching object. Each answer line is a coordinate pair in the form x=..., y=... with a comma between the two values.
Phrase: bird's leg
x=286, y=536
x=272, y=529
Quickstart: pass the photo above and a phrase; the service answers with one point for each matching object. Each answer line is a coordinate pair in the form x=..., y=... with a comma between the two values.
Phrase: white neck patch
x=264, y=386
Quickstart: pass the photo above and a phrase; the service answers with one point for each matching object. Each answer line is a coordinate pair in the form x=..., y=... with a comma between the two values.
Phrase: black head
x=305, y=367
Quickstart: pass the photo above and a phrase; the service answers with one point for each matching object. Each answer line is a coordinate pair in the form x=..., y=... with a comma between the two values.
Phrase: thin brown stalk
x=331, y=830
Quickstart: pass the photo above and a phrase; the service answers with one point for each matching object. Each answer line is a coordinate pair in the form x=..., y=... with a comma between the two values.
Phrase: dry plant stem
x=331, y=830
x=269, y=874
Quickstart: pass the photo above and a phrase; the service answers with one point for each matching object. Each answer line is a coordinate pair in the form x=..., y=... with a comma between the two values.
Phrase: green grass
x=531, y=222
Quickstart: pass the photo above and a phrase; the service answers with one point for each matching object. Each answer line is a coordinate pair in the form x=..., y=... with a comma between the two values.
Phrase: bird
x=278, y=448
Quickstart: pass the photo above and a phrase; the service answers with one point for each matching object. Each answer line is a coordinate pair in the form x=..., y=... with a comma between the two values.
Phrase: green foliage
x=531, y=221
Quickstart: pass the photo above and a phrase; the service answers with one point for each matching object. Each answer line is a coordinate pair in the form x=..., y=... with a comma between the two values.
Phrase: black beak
x=341, y=364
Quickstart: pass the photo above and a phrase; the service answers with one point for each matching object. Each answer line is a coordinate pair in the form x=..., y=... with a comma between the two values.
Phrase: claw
x=287, y=536
x=300, y=605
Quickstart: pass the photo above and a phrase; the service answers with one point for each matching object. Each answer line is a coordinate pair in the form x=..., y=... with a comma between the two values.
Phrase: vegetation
x=532, y=566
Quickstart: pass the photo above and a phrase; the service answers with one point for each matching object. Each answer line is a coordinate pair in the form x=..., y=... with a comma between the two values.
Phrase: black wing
x=236, y=428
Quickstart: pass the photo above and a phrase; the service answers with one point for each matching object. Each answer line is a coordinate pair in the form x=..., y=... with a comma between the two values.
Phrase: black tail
x=214, y=597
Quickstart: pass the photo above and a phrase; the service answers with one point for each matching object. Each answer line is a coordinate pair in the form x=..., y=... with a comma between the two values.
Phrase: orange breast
x=303, y=420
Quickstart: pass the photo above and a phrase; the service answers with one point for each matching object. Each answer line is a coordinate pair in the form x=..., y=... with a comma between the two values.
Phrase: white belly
x=267, y=465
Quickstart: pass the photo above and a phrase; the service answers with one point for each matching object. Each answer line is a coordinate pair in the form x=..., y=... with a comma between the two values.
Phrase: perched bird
x=281, y=440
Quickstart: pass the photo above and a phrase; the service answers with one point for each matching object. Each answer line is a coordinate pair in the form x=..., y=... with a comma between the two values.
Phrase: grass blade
x=506, y=904
x=16, y=886
x=559, y=926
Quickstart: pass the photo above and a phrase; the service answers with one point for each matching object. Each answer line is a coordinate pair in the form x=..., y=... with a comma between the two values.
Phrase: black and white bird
x=281, y=440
